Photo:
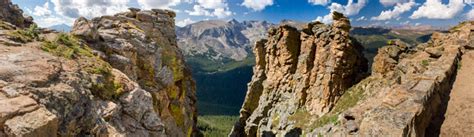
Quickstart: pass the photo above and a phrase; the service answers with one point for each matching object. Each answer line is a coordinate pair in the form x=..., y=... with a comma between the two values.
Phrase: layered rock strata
x=295, y=71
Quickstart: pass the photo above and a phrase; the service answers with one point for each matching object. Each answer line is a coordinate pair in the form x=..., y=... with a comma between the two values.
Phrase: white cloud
x=151, y=4
x=434, y=9
x=391, y=2
x=89, y=8
x=348, y=10
x=399, y=9
x=211, y=8
x=361, y=18
x=212, y=4
x=53, y=20
x=185, y=22
x=319, y=2
x=41, y=10
x=198, y=10
x=257, y=5
x=470, y=15
x=222, y=13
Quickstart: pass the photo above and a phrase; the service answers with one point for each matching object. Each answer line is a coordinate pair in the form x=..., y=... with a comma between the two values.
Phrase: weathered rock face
x=404, y=94
x=119, y=75
x=142, y=44
x=295, y=71
x=12, y=13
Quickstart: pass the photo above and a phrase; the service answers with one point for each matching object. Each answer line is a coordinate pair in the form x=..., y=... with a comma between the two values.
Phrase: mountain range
x=61, y=27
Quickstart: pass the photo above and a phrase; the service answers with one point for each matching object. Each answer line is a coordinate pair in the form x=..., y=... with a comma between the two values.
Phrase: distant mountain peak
x=233, y=21
x=61, y=27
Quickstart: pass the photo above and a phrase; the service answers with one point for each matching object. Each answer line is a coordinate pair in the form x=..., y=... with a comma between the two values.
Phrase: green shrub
x=66, y=46
x=390, y=42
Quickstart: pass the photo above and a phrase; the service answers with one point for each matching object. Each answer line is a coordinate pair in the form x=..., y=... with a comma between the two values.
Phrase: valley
x=221, y=83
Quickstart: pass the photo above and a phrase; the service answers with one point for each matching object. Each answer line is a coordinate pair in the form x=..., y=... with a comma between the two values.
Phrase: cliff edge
x=303, y=71
x=120, y=75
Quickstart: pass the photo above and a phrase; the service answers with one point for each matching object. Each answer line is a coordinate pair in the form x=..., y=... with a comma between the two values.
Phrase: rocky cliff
x=306, y=83
x=407, y=91
x=296, y=72
x=12, y=13
x=120, y=75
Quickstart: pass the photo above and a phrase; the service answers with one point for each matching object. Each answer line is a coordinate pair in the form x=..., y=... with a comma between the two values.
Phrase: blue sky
x=441, y=13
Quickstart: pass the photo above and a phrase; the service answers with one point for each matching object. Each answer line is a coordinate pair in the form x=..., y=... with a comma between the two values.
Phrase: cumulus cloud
x=434, y=9
x=89, y=8
x=44, y=17
x=41, y=10
x=222, y=13
x=212, y=4
x=184, y=22
x=53, y=20
x=391, y=2
x=198, y=10
x=257, y=5
x=211, y=8
x=399, y=9
x=349, y=10
x=151, y=4
x=319, y=2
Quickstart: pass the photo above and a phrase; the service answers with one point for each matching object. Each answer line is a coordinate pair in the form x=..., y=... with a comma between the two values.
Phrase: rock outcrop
x=120, y=75
x=406, y=92
x=12, y=13
x=296, y=72
x=142, y=44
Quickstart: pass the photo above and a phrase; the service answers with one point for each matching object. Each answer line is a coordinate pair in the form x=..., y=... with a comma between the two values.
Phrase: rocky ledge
x=120, y=75
x=296, y=72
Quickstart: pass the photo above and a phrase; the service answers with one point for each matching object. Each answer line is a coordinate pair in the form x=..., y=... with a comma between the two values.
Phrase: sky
x=439, y=13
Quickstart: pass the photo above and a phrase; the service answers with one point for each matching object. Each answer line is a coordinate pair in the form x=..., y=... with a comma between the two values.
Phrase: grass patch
x=66, y=46
x=104, y=85
x=352, y=96
x=25, y=35
x=216, y=126
x=4, y=26
x=425, y=63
